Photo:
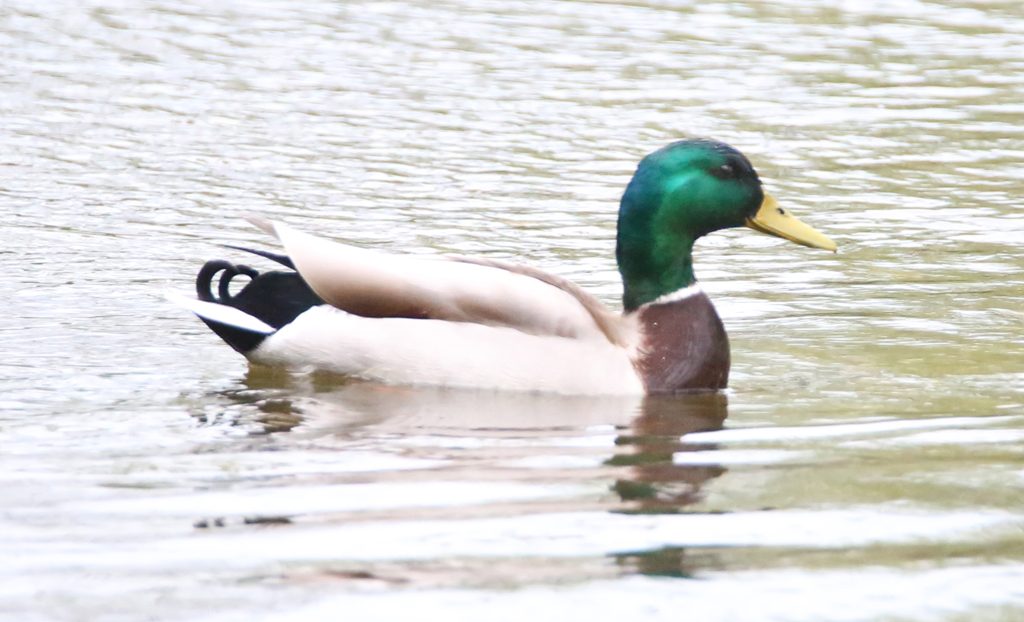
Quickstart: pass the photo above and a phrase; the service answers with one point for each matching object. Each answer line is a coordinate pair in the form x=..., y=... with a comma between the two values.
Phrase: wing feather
x=370, y=283
x=609, y=322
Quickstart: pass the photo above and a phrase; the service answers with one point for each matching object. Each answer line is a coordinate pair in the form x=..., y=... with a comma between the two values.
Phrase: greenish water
x=867, y=462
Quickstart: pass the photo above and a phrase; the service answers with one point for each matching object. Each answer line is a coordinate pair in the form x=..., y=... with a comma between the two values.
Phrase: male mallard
x=471, y=322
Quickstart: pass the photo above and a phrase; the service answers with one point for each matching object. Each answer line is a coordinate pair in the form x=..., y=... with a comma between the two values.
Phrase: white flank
x=221, y=313
x=443, y=353
x=679, y=294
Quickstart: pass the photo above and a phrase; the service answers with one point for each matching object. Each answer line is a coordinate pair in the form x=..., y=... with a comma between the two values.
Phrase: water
x=867, y=462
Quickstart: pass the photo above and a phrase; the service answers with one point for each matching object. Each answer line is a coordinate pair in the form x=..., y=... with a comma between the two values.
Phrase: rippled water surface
x=867, y=463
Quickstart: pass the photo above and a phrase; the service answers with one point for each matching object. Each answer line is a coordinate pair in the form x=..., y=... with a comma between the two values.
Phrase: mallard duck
x=483, y=323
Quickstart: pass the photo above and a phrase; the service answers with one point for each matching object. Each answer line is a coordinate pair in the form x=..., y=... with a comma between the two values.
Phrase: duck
x=482, y=323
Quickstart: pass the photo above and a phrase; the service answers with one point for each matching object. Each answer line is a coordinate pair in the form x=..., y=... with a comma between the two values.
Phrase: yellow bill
x=773, y=220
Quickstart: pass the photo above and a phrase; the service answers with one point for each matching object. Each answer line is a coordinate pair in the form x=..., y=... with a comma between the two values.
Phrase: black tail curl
x=276, y=298
x=204, y=280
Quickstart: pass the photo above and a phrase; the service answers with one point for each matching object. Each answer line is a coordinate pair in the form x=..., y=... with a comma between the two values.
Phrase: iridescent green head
x=680, y=193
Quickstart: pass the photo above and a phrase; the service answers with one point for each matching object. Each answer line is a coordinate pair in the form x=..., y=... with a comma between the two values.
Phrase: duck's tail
x=267, y=302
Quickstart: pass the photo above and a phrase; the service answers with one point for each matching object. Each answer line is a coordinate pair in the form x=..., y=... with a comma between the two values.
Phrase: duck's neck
x=656, y=232
x=653, y=269
x=652, y=277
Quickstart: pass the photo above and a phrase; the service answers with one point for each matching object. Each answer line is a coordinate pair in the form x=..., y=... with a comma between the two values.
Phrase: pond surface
x=866, y=464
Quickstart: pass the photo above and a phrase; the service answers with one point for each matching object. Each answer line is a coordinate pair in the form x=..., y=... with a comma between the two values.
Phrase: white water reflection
x=824, y=595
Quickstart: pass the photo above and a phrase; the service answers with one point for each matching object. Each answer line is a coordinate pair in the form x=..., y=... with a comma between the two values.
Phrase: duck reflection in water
x=654, y=484
x=629, y=442
x=646, y=426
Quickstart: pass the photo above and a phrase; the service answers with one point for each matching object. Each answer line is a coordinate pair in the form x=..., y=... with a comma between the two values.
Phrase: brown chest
x=683, y=346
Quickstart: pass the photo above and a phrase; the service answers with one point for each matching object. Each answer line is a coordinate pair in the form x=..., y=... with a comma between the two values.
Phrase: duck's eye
x=725, y=171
